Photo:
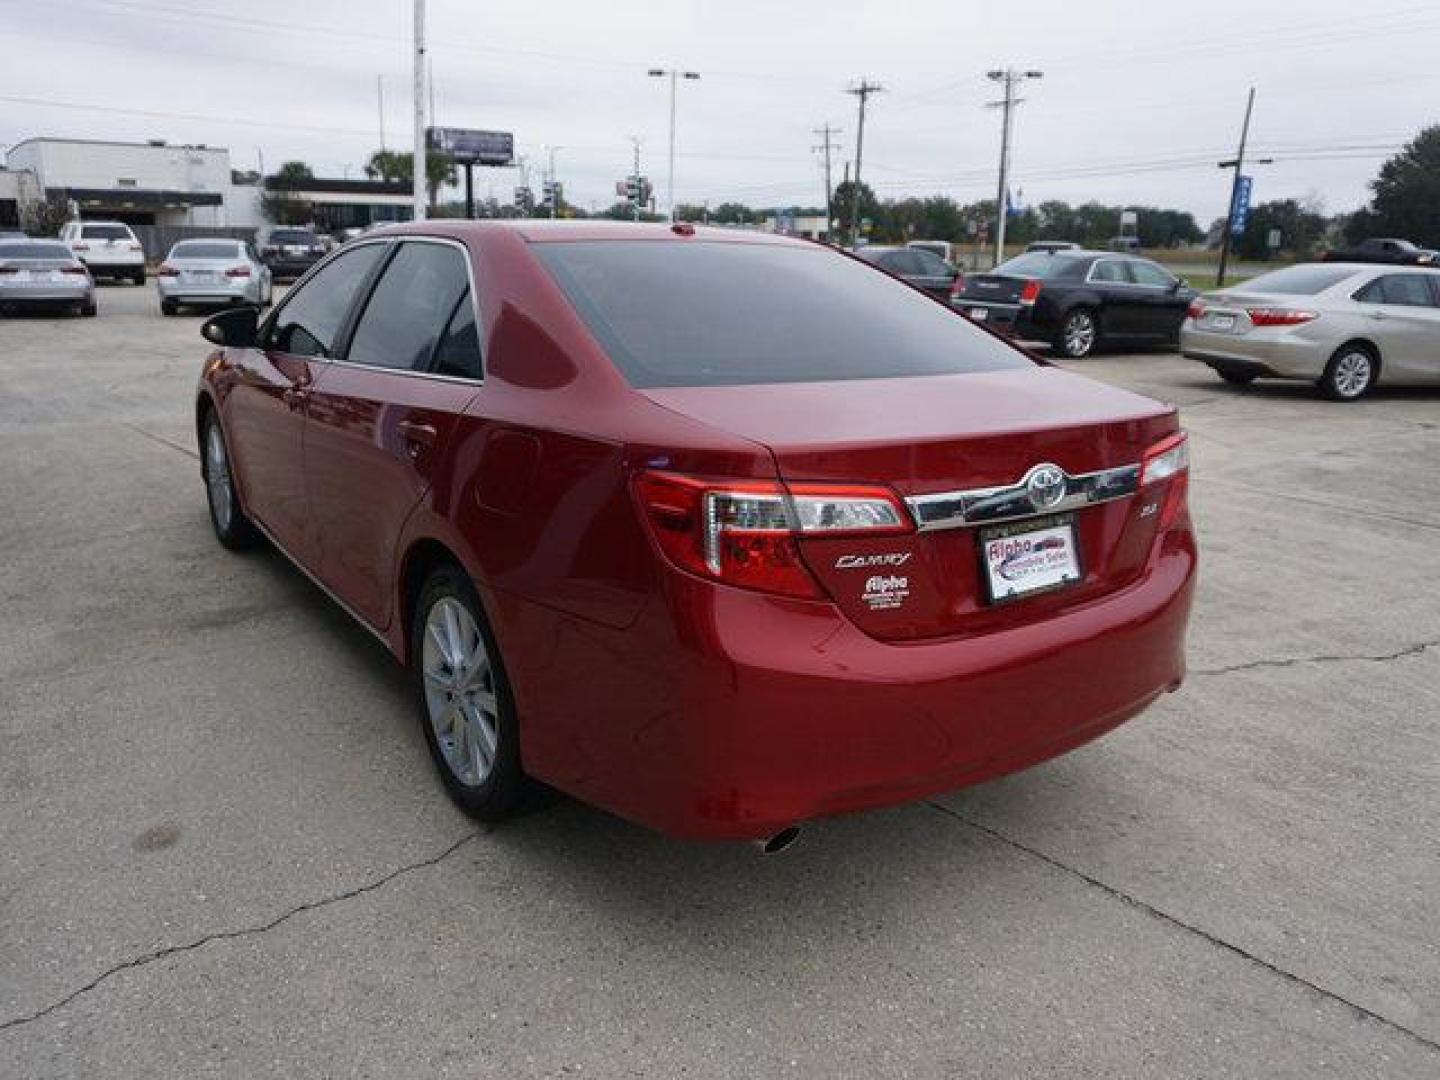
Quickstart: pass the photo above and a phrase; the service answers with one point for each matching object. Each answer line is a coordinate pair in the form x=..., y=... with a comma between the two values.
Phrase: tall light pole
x=862, y=90
x=418, y=169
x=554, y=189
x=1011, y=80
x=675, y=75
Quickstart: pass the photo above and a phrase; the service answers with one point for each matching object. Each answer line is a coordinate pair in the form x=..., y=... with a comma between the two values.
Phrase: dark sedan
x=915, y=266
x=290, y=252
x=1078, y=299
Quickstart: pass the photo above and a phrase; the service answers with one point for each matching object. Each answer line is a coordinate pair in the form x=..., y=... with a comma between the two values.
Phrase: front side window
x=1406, y=290
x=310, y=321
x=715, y=313
x=410, y=307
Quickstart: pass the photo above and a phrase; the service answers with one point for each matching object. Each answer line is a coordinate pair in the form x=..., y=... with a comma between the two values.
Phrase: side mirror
x=1178, y=284
x=237, y=328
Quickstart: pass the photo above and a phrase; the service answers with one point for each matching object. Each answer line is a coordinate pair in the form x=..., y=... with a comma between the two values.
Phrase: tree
x=1407, y=192
x=1301, y=229
x=294, y=173
x=44, y=217
x=844, y=199
x=394, y=167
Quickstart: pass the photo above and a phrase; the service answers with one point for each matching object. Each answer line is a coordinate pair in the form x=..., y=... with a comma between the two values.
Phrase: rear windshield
x=694, y=313
x=1035, y=264
x=1299, y=280
x=104, y=232
x=34, y=251
x=292, y=236
x=198, y=249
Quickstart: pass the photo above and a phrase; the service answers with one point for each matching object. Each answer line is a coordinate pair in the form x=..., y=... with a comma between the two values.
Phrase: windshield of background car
x=104, y=232
x=692, y=313
x=1034, y=264
x=34, y=251
x=1300, y=280
x=205, y=251
x=292, y=236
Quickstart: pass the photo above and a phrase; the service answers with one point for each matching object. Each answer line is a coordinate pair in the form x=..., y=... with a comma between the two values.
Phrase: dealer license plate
x=979, y=314
x=1220, y=322
x=1029, y=557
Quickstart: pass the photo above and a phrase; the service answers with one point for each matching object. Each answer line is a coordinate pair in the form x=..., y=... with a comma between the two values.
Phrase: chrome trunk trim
x=1035, y=493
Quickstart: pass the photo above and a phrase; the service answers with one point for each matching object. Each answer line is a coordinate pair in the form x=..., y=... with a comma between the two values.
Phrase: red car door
x=379, y=422
x=264, y=411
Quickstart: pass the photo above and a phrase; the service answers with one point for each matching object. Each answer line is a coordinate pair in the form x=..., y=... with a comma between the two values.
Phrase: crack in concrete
x=227, y=935
x=1324, y=658
x=1205, y=935
x=160, y=439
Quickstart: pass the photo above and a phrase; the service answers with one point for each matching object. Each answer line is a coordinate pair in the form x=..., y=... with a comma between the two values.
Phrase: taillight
x=166, y=270
x=133, y=246
x=1169, y=459
x=79, y=247
x=238, y=271
x=1269, y=316
x=1196, y=309
x=745, y=532
x=1031, y=292
x=957, y=287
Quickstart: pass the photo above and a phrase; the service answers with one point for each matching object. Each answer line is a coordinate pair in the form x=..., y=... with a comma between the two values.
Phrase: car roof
x=554, y=231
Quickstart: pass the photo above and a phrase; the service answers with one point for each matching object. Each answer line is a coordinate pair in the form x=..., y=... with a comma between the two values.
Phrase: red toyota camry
x=721, y=532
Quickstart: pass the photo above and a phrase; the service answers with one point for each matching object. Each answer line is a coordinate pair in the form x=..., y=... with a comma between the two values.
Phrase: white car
x=1343, y=326
x=107, y=248
x=218, y=271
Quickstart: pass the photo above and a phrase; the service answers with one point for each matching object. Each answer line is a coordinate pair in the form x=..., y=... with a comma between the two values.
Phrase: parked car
x=1077, y=300
x=290, y=252
x=1052, y=245
x=1346, y=327
x=107, y=248
x=939, y=248
x=720, y=531
x=212, y=272
x=917, y=266
x=44, y=274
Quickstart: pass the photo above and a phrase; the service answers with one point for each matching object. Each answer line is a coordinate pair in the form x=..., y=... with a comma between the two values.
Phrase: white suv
x=107, y=248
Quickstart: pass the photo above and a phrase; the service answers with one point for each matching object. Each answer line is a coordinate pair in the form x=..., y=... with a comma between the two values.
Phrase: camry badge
x=1045, y=486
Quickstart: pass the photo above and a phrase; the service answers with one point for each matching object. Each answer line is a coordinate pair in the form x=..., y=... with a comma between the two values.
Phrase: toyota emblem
x=1045, y=486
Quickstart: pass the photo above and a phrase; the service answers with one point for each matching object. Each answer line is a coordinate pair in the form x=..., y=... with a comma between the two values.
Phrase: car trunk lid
x=932, y=436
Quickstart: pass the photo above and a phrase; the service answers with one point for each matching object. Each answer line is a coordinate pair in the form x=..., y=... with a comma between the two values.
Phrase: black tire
x=1236, y=378
x=499, y=791
x=89, y=311
x=1351, y=373
x=232, y=528
x=138, y=277
x=1079, y=333
x=168, y=307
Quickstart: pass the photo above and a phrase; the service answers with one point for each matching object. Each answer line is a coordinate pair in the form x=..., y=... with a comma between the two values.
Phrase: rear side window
x=196, y=250
x=697, y=313
x=310, y=321
x=1146, y=273
x=34, y=251
x=1407, y=290
x=1110, y=272
x=410, y=307
x=931, y=264
x=459, y=351
x=104, y=232
x=1305, y=280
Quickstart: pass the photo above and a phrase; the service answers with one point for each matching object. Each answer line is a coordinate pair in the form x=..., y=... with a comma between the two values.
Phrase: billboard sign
x=466, y=146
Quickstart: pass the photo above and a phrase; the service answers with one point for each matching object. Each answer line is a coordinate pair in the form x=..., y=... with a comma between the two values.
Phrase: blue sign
x=1240, y=211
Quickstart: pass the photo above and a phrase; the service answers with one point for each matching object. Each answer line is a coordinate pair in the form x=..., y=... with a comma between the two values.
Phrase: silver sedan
x=1344, y=326
x=212, y=272
x=44, y=273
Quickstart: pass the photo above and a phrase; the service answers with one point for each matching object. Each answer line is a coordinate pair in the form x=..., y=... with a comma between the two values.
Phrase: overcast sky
x=1139, y=98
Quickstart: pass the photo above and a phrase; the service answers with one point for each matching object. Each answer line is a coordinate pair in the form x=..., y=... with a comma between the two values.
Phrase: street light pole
x=1238, y=164
x=1011, y=79
x=675, y=75
x=418, y=170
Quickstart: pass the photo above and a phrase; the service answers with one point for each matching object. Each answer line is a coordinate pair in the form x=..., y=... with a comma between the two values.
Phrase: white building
x=151, y=183
x=17, y=187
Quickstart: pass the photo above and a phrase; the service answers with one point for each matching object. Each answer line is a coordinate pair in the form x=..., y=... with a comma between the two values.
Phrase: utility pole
x=635, y=172
x=825, y=147
x=418, y=169
x=380, y=93
x=675, y=75
x=1238, y=164
x=862, y=90
x=1011, y=79
x=554, y=188
x=430, y=80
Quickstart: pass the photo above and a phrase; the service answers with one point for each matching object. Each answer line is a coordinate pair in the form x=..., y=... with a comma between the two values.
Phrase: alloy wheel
x=460, y=693
x=1353, y=373
x=217, y=476
x=1079, y=334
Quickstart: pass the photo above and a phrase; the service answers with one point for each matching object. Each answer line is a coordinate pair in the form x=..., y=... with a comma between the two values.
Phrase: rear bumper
x=740, y=714
x=1013, y=320
x=113, y=264
x=48, y=294
x=206, y=294
x=1280, y=356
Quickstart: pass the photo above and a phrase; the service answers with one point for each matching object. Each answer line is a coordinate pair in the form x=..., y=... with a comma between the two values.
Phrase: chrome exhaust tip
x=774, y=845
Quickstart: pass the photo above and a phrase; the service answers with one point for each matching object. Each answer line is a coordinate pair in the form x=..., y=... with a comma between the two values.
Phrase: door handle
x=420, y=435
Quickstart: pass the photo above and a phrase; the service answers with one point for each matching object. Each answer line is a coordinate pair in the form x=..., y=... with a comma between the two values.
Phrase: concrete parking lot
x=225, y=852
